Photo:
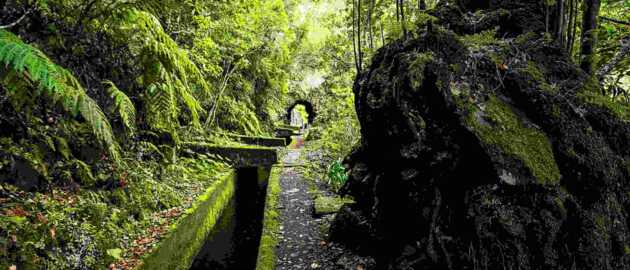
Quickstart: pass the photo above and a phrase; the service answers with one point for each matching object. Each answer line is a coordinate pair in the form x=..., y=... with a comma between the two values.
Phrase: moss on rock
x=506, y=130
x=324, y=205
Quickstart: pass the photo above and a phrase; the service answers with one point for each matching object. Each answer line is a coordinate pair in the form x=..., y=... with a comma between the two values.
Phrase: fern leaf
x=40, y=74
x=166, y=66
x=123, y=105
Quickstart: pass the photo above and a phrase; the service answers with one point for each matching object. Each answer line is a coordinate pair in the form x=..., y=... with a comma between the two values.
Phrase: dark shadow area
x=233, y=244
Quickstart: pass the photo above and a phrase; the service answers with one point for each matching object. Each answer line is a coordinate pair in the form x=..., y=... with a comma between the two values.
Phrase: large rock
x=486, y=153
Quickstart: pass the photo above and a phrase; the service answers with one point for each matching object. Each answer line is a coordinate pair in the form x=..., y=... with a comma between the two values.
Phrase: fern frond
x=31, y=66
x=123, y=105
x=161, y=107
x=165, y=63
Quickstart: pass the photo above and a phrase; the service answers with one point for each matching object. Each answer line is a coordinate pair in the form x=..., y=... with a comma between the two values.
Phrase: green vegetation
x=324, y=205
x=186, y=237
x=479, y=40
x=590, y=93
x=271, y=224
x=28, y=68
x=102, y=103
x=497, y=125
x=337, y=175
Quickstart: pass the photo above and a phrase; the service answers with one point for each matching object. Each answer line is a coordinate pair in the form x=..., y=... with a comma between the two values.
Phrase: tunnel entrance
x=301, y=105
x=234, y=241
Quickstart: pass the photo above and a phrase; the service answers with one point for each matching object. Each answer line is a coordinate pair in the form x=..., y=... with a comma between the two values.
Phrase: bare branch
x=619, y=56
x=614, y=20
x=17, y=21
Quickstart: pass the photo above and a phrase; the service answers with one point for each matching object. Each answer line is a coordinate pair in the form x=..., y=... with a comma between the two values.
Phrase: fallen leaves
x=16, y=212
x=145, y=243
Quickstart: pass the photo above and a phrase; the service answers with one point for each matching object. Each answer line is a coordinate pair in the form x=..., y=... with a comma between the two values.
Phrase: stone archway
x=310, y=109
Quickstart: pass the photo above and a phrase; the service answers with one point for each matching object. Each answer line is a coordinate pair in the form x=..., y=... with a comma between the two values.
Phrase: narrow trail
x=303, y=243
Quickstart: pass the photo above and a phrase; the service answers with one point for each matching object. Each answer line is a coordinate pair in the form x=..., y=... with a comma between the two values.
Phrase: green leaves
x=170, y=77
x=123, y=106
x=115, y=253
x=337, y=175
x=31, y=71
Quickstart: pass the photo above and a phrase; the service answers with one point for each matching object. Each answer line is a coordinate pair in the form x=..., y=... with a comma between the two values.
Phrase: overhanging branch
x=17, y=21
x=619, y=56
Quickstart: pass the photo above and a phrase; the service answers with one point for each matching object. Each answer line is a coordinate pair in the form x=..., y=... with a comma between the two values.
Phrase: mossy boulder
x=325, y=205
x=484, y=147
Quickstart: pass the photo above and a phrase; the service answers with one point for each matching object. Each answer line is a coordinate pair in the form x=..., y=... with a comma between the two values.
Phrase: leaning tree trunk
x=589, y=35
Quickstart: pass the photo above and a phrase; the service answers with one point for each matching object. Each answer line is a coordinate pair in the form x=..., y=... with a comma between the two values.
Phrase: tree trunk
x=589, y=35
x=422, y=4
x=560, y=24
x=398, y=10
x=359, y=45
x=356, y=29
x=382, y=35
x=402, y=17
x=370, y=15
x=570, y=26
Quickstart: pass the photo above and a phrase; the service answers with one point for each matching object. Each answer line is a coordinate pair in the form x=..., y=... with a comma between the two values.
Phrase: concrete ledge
x=284, y=126
x=271, y=224
x=237, y=156
x=285, y=132
x=254, y=140
x=179, y=247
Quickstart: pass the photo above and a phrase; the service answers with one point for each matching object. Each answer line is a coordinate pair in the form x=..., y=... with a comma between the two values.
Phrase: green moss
x=524, y=38
x=185, y=238
x=506, y=131
x=455, y=68
x=271, y=224
x=482, y=39
x=600, y=224
x=560, y=204
x=327, y=205
x=555, y=112
x=538, y=75
x=533, y=71
x=591, y=93
x=423, y=19
x=416, y=68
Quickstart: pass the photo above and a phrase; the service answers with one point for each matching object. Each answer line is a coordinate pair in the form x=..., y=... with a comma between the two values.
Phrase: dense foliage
x=98, y=97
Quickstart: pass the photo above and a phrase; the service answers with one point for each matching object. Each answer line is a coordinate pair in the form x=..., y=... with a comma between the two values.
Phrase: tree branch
x=18, y=20
x=619, y=56
x=614, y=20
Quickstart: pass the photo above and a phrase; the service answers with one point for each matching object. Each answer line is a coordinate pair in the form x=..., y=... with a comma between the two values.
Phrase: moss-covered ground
x=83, y=227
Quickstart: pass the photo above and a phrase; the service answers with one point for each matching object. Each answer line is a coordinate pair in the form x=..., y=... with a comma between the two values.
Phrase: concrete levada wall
x=187, y=236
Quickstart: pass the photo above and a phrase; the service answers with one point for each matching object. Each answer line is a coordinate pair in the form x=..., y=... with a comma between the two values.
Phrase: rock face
x=487, y=153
